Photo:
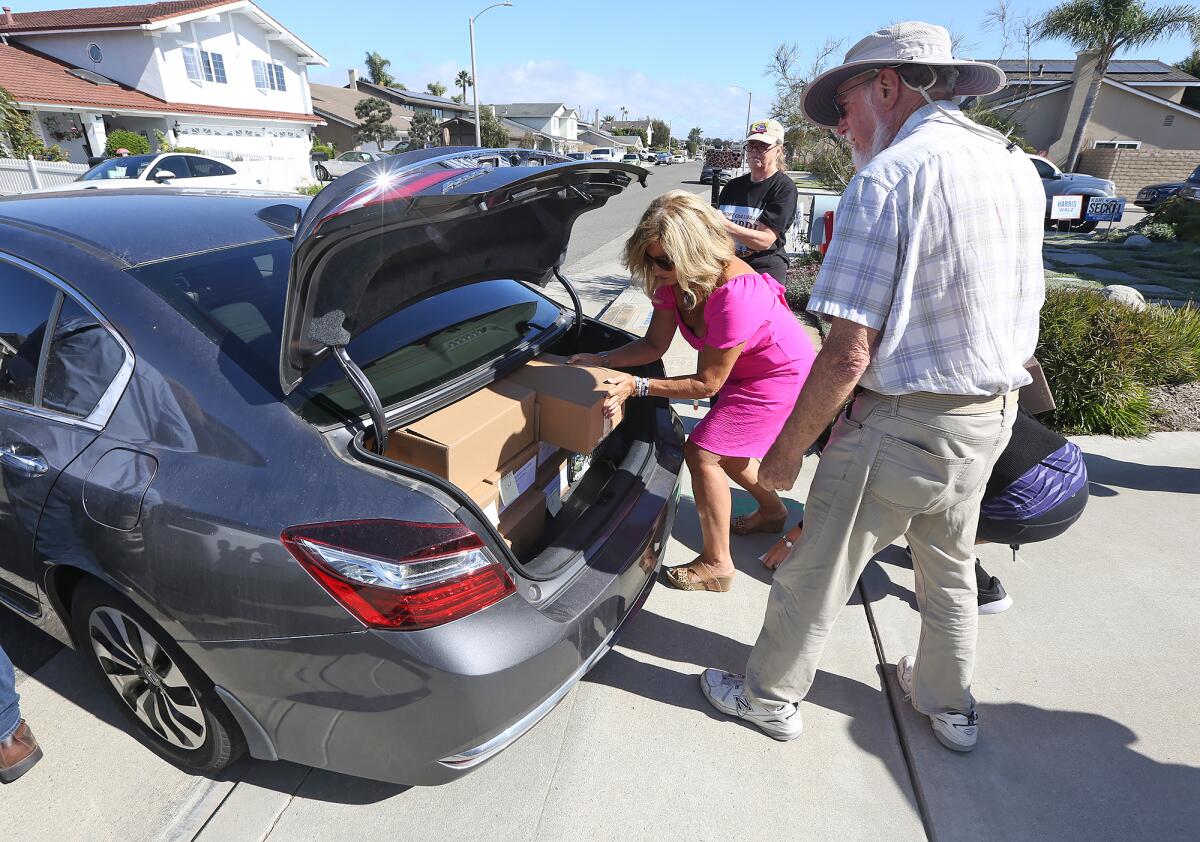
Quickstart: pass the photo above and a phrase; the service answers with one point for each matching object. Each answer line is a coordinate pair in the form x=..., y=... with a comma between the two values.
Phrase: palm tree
x=463, y=80
x=607, y=118
x=436, y=88
x=624, y=113
x=1108, y=26
x=377, y=70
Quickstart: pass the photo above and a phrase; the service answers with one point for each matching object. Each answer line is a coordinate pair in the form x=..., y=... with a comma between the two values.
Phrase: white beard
x=879, y=138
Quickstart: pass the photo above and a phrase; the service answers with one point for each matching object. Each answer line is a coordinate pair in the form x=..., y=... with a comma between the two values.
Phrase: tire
x=172, y=705
x=1084, y=227
x=322, y=173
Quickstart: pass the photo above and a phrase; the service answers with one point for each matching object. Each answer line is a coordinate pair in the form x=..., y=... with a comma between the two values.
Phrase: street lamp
x=750, y=99
x=474, y=74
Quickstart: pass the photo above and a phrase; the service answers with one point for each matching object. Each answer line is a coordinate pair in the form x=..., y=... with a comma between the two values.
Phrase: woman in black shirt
x=759, y=207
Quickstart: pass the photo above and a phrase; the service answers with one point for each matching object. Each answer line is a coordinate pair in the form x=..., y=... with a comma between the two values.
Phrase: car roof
x=143, y=225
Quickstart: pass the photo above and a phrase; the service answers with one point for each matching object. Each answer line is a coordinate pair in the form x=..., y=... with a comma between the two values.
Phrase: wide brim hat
x=911, y=42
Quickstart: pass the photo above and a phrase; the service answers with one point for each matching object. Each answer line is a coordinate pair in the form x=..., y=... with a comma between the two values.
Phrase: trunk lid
x=410, y=226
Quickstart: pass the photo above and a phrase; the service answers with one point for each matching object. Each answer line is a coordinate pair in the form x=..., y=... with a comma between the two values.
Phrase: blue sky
x=671, y=60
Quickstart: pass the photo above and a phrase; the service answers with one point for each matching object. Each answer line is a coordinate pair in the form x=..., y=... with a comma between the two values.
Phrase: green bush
x=801, y=275
x=328, y=148
x=191, y=149
x=123, y=139
x=1184, y=215
x=310, y=189
x=1100, y=358
x=1160, y=232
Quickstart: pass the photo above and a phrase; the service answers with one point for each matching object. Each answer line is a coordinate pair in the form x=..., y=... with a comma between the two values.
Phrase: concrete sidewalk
x=1085, y=693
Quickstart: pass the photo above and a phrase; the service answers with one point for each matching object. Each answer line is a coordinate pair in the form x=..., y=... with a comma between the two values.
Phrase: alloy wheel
x=146, y=678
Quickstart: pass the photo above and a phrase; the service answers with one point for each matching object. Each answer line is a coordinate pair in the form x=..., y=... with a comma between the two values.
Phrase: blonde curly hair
x=692, y=234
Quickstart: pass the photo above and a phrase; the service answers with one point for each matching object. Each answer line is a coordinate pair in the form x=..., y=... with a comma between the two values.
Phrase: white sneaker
x=956, y=731
x=726, y=692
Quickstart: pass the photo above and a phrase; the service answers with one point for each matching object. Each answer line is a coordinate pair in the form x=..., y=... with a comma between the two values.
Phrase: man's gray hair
x=943, y=78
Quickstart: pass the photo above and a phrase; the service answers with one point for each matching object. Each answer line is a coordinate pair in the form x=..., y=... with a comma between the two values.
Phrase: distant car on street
x=707, y=172
x=1058, y=183
x=679, y=158
x=604, y=153
x=182, y=169
x=1153, y=195
x=344, y=163
x=663, y=158
x=632, y=158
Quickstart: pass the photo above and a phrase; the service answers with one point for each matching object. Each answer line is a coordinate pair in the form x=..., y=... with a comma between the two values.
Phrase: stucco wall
x=1133, y=169
x=1121, y=115
x=127, y=57
x=1041, y=118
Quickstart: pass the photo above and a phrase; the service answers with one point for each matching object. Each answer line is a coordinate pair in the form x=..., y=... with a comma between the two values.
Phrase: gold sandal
x=738, y=525
x=680, y=578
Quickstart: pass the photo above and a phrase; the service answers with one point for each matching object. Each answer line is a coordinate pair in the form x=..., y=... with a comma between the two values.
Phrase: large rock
x=1125, y=295
x=1137, y=241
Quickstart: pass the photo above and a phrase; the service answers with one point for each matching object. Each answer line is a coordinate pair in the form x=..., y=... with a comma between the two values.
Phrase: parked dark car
x=192, y=490
x=1153, y=195
x=723, y=175
x=1058, y=183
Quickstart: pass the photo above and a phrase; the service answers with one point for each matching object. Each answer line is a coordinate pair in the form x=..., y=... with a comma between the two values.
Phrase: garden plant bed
x=1176, y=408
x=1173, y=266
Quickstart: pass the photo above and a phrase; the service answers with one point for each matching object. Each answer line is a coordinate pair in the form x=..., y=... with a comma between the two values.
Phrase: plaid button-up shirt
x=937, y=244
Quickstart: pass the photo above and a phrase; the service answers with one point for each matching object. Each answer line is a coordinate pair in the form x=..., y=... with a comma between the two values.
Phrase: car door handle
x=29, y=465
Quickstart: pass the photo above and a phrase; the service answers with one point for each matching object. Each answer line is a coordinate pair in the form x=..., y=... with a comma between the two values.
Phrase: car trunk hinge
x=368, y=394
x=574, y=301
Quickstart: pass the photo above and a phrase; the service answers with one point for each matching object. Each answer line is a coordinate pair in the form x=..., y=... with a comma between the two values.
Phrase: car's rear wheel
x=173, y=706
x=322, y=173
x=1084, y=227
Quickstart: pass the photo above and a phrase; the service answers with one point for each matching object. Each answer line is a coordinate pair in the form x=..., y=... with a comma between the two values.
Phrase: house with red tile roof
x=225, y=77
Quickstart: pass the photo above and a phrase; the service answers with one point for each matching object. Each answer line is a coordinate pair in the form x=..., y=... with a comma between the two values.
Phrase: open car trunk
x=603, y=484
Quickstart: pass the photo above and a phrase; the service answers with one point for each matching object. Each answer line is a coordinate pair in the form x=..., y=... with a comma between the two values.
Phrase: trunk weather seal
x=574, y=301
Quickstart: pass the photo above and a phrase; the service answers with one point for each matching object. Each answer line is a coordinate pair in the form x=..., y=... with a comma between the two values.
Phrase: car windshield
x=130, y=166
x=236, y=298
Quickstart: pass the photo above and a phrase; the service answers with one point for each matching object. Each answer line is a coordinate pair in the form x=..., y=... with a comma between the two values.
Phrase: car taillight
x=395, y=574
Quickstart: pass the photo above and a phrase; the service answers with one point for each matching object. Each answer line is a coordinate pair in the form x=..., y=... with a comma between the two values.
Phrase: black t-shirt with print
x=771, y=202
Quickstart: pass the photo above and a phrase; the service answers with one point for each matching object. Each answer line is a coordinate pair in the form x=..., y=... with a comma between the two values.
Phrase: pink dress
x=761, y=390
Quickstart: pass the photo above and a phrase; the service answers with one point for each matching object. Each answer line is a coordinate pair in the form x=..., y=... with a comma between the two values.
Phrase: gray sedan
x=344, y=163
x=194, y=490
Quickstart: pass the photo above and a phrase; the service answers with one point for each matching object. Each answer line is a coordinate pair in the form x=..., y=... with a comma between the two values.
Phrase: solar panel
x=89, y=76
x=1137, y=67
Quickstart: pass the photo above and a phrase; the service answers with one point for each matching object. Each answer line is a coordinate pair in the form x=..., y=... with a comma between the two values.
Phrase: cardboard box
x=501, y=489
x=523, y=522
x=553, y=481
x=570, y=402
x=471, y=438
x=487, y=497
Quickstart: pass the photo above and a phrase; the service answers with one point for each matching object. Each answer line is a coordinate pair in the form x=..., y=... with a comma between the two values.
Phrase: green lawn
x=1173, y=265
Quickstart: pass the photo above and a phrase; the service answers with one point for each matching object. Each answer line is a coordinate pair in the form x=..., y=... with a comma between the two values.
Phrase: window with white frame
x=202, y=65
x=268, y=77
x=1117, y=144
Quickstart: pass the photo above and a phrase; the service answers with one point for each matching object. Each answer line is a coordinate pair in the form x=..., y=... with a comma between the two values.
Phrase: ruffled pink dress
x=761, y=390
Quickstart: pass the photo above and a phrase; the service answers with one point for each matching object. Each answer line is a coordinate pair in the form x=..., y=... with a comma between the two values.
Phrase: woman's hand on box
x=585, y=359
x=621, y=387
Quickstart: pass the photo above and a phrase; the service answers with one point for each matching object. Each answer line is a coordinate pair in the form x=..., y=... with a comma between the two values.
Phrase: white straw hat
x=911, y=42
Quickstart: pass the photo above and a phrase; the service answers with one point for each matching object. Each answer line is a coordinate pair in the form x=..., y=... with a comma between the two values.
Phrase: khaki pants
x=916, y=466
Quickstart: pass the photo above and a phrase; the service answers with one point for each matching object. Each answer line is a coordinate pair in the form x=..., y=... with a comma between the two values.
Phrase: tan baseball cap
x=766, y=131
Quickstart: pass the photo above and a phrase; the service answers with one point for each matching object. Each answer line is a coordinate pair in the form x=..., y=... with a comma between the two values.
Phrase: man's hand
x=780, y=468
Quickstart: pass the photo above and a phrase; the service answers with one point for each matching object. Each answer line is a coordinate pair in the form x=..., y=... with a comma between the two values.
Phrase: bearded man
x=933, y=281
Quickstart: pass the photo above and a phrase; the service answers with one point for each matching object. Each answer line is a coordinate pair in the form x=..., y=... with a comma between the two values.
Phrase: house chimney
x=8, y=18
x=353, y=79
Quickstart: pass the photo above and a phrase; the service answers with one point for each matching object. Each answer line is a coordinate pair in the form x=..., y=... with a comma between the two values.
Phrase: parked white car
x=605, y=153
x=344, y=163
x=180, y=169
x=679, y=158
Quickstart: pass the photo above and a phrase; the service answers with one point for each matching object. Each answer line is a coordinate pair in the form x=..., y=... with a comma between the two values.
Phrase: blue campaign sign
x=1103, y=209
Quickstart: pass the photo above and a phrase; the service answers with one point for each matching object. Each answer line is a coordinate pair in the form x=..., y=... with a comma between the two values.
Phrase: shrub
x=1184, y=215
x=1160, y=232
x=123, y=139
x=1100, y=357
x=309, y=189
x=801, y=275
x=327, y=148
x=191, y=149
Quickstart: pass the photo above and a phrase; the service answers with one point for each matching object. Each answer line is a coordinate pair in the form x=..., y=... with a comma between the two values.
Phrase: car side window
x=84, y=358
x=25, y=305
x=348, y=156
x=206, y=168
x=176, y=164
x=1043, y=169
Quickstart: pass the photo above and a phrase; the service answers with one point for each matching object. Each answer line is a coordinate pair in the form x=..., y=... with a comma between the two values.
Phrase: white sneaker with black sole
x=726, y=691
x=956, y=731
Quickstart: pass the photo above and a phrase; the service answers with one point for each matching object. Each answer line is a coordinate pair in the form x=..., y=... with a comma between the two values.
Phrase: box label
x=553, y=497
x=492, y=512
x=546, y=452
x=516, y=483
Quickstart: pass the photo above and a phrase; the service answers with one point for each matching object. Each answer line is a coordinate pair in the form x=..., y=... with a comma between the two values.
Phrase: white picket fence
x=17, y=175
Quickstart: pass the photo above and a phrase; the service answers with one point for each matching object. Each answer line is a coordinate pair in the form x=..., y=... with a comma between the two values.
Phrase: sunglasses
x=839, y=103
x=664, y=263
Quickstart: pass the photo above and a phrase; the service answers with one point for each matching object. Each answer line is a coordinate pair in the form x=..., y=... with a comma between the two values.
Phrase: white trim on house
x=1179, y=84
x=134, y=111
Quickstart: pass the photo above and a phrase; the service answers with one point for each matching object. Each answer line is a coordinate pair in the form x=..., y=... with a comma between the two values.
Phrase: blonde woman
x=753, y=358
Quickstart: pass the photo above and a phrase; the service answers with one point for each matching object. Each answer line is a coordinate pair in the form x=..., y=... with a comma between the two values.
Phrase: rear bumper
x=426, y=707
